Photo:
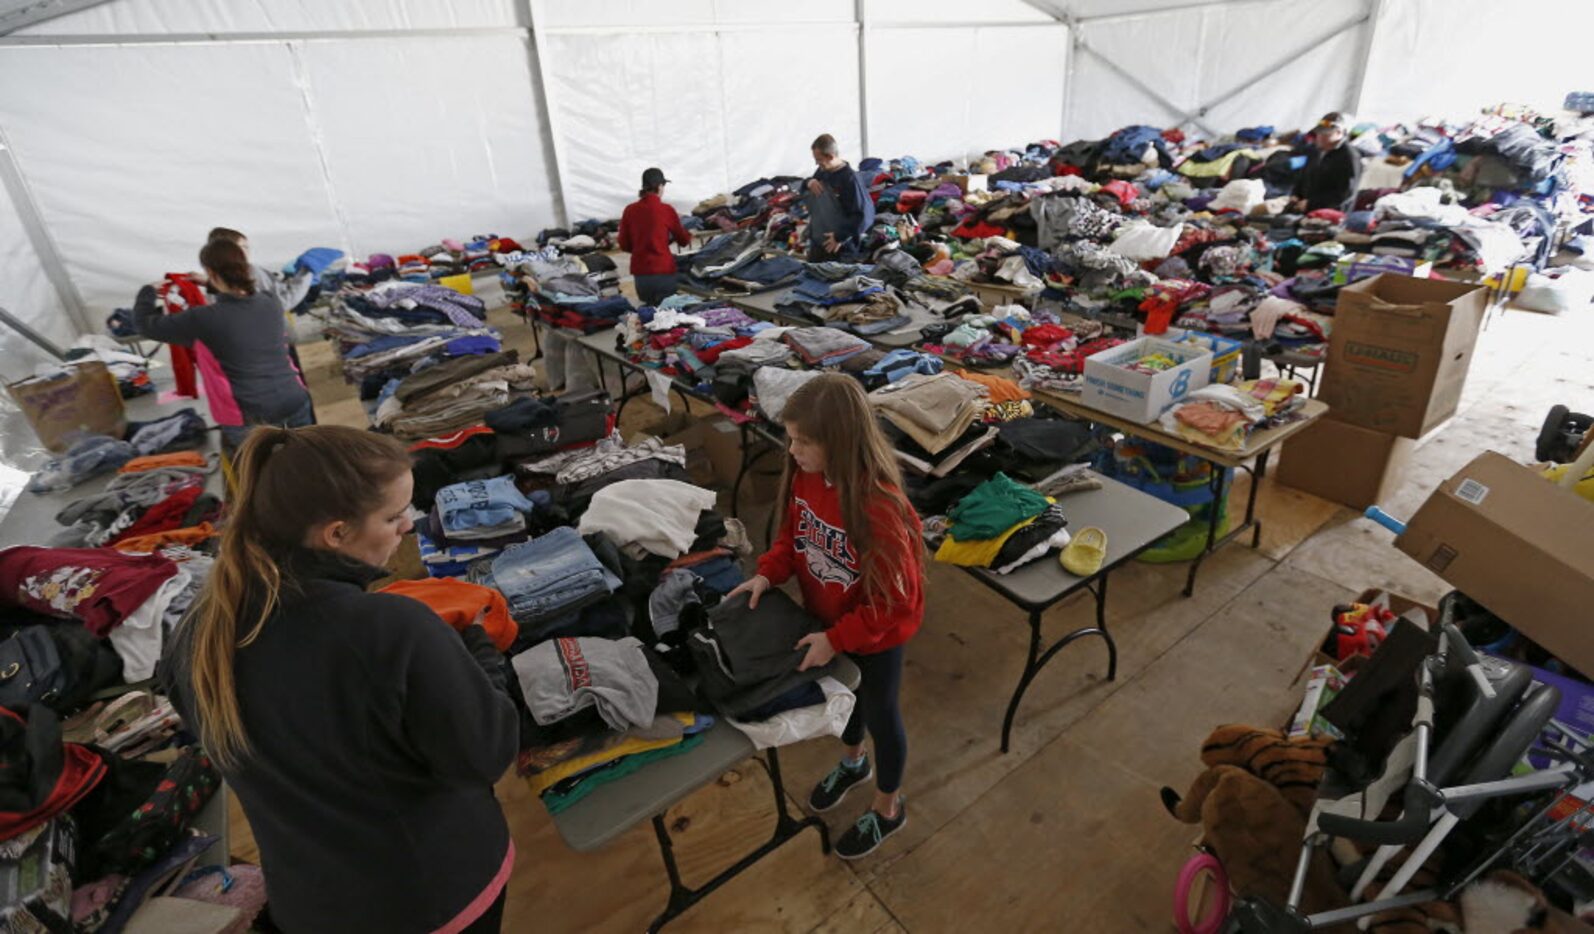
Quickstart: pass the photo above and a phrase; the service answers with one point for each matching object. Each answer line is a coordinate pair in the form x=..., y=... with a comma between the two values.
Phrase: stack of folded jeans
x=933, y=410
x=482, y=509
x=547, y=580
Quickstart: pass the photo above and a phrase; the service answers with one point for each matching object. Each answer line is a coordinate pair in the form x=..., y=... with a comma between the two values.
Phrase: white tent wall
x=712, y=109
x=136, y=151
x=1220, y=67
x=959, y=114
x=1447, y=58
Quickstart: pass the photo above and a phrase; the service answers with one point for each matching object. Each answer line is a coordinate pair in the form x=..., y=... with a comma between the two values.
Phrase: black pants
x=491, y=920
x=654, y=289
x=879, y=710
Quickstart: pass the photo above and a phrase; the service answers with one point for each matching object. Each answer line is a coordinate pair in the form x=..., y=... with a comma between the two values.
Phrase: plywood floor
x=1065, y=832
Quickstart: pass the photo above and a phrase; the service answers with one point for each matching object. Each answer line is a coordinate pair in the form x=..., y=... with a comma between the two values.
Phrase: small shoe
x=1084, y=555
x=833, y=787
x=871, y=830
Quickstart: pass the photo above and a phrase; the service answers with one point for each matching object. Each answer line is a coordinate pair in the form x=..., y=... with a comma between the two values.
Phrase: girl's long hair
x=832, y=410
x=289, y=480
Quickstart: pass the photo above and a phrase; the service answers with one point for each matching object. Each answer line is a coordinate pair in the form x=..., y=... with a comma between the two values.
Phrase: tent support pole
x=861, y=14
x=1364, y=59
x=16, y=184
x=552, y=139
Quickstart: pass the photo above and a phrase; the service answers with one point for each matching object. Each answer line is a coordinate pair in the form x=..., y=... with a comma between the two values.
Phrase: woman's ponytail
x=243, y=572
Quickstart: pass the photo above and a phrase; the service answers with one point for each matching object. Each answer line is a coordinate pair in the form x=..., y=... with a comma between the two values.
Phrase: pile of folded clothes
x=1224, y=415
x=396, y=328
x=594, y=710
x=934, y=410
x=547, y=580
x=582, y=237
x=1002, y=525
x=824, y=347
x=453, y=394
x=527, y=430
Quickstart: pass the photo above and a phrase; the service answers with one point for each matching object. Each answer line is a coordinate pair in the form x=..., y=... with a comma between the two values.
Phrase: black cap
x=653, y=177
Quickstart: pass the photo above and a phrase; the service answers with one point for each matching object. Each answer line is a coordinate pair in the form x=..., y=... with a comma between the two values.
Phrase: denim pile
x=547, y=580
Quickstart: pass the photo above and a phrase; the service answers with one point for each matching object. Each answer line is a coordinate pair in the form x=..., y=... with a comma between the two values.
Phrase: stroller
x=1474, y=720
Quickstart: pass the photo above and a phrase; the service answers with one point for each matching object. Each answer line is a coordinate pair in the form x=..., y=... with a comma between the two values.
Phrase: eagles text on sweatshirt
x=813, y=545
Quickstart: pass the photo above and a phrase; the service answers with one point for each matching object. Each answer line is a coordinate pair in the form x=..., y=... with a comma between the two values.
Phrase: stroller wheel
x=1552, y=443
x=1201, y=896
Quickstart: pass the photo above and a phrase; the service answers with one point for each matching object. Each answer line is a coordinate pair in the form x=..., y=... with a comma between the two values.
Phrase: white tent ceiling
x=130, y=127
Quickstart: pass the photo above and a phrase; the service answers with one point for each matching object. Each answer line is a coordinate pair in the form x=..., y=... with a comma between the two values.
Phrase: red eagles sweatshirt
x=813, y=545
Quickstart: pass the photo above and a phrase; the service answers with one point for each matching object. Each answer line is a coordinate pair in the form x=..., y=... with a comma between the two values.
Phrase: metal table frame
x=682, y=897
x=615, y=808
x=1037, y=658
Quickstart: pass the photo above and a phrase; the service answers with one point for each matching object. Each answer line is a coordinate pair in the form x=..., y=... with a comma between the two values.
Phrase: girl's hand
x=754, y=587
x=820, y=651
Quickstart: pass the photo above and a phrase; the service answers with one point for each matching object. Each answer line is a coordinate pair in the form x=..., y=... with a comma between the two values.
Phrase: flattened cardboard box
x=1517, y=544
x=1399, y=352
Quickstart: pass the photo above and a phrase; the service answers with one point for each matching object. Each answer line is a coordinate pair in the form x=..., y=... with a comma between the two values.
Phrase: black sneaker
x=833, y=787
x=869, y=832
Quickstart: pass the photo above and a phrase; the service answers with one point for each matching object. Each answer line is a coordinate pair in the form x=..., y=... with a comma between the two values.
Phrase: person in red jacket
x=646, y=229
x=854, y=543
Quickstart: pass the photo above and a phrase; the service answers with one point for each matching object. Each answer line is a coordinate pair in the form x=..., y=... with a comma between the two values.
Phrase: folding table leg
x=1213, y=514
x=786, y=827
x=1036, y=659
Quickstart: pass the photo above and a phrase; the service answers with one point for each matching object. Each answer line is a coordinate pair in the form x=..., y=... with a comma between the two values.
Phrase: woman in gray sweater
x=245, y=331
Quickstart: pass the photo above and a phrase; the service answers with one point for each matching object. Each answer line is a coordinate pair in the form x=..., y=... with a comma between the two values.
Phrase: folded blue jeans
x=550, y=574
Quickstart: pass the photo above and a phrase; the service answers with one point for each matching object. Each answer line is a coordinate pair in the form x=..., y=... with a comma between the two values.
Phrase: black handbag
x=30, y=669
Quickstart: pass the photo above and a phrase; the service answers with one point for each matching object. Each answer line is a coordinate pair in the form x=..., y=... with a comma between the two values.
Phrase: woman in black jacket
x=360, y=732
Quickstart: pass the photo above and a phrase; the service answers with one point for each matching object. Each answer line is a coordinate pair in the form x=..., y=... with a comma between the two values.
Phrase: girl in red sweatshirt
x=853, y=542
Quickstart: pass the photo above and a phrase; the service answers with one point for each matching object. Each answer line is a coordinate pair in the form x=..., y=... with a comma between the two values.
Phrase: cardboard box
x=1399, y=352
x=1519, y=545
x=1345, y=464
x=969, y=182
x=1354, y=267
x=1141, y=397
x=79, y=400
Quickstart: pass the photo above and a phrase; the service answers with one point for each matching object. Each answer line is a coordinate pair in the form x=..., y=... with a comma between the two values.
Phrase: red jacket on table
x=646, y=229
x=814, y=546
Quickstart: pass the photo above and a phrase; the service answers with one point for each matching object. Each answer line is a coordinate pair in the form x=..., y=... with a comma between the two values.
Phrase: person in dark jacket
x=1333, y=169
x=244, y=329
x=647, y=227
x=360, y=732
x=840, y=210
